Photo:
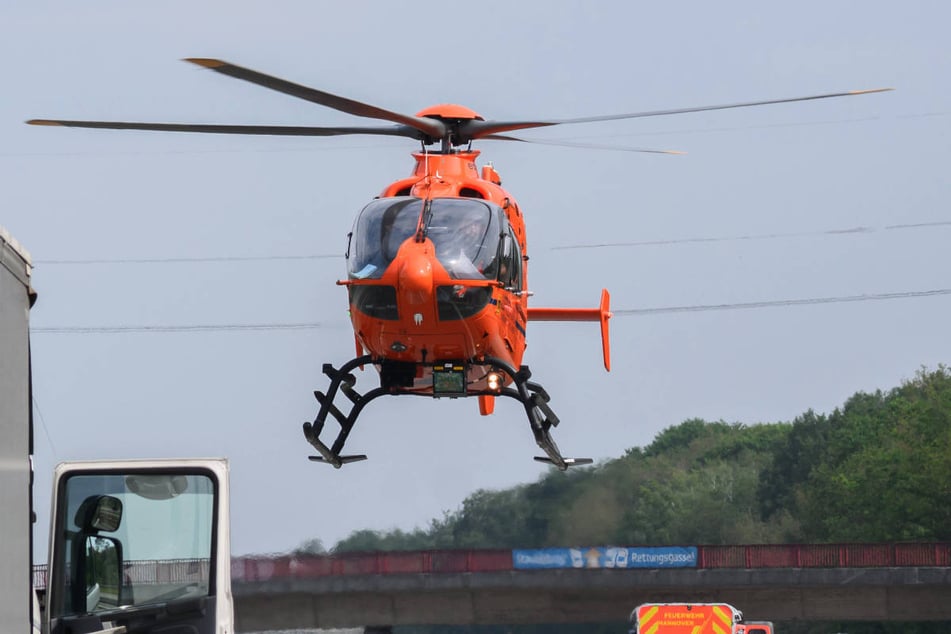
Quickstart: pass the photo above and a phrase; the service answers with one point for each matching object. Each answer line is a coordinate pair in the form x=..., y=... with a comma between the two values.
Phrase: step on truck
x=694, y=618
x=135, y=546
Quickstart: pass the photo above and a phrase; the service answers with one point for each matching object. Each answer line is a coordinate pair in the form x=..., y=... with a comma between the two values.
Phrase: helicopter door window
x=379, y=231
x=516, y=277
x=510, y=269
x=465, y=233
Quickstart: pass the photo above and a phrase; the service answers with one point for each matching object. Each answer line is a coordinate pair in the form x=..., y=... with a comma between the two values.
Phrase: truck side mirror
x=99, y=513
x=102, y=562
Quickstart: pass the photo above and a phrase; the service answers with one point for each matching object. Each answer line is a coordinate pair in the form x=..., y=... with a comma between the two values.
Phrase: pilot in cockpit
x=466, y=256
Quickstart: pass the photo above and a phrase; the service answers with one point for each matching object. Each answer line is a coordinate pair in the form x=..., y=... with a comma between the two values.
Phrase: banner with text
x=607, y=557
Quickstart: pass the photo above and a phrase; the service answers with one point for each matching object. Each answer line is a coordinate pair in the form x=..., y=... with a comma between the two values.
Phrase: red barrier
x=402, y=563
x=818, y=556
x=923, y=554
x=490, y=561
x=824, y=555
x=451, y=561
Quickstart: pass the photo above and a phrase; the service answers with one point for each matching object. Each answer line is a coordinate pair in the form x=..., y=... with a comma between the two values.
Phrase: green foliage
x=886, y=472
x=706, y=495
x=878, y=469
x=368, y=540
x=790, y=464
x=489, y=517
x=678, y=437
x=312, y=546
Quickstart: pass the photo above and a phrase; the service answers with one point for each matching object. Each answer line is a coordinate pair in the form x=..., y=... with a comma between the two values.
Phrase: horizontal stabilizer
x=601, y=314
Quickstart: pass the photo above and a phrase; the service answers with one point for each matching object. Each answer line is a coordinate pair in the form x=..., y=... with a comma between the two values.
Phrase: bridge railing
x=375, y=563
x=825, y=555
x=263, y=568
x=474, y=561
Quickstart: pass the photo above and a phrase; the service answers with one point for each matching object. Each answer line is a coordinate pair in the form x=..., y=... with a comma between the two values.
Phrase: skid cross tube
x=531, y=395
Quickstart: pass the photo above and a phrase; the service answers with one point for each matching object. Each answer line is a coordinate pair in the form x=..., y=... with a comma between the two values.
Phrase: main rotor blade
x=276, y=130
x=479, y=129
x=430, y=127
x=586, y=146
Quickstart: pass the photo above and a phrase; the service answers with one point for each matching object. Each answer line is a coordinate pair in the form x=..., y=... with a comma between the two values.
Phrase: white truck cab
x=136, y=546
x=140, y=546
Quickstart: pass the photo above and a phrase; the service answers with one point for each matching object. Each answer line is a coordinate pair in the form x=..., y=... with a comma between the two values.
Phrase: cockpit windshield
x=465, y=232
x=466, y=235
x=379, y=231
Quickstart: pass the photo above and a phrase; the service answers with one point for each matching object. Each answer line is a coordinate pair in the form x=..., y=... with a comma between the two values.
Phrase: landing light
x=494, y=381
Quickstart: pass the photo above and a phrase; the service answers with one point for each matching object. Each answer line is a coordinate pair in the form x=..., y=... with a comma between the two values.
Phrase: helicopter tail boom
x=601, y=314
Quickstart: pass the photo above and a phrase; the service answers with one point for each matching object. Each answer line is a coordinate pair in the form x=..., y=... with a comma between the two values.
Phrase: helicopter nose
x=416, y=278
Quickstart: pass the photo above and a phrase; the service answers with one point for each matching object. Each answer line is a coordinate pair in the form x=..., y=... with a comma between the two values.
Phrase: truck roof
x=685, y=618
x=12, y=243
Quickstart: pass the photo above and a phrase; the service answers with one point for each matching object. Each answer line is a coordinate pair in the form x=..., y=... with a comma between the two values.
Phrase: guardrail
x=825, y=555
x=263, y=568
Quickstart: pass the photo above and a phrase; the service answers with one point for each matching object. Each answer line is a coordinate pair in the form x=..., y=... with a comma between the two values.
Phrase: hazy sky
x=778, y=184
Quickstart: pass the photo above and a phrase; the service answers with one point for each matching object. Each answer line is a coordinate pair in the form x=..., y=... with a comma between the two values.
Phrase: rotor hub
x=450, y=112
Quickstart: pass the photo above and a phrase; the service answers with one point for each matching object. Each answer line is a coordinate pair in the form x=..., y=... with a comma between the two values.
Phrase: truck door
x=143, y=545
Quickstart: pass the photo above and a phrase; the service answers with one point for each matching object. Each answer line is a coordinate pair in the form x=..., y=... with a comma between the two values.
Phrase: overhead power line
x=108, y=330
x=224, y=258
x=272, y=326
x=782, y=302
x=761, y=236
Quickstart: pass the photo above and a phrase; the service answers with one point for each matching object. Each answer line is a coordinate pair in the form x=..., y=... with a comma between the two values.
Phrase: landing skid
x=531, y=395
x=541, y=418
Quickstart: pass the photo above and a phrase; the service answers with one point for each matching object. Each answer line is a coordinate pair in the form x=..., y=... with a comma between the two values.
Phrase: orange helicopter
x=437, y=264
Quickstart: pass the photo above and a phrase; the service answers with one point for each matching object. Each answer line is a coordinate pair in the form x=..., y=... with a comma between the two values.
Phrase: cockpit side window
x=510, y=262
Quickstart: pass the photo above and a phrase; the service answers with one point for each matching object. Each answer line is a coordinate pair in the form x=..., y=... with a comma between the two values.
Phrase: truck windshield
x=134, y=540
x=464, y=231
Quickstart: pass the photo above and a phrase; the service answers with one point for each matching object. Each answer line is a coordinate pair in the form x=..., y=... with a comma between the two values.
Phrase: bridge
x=817, y=582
